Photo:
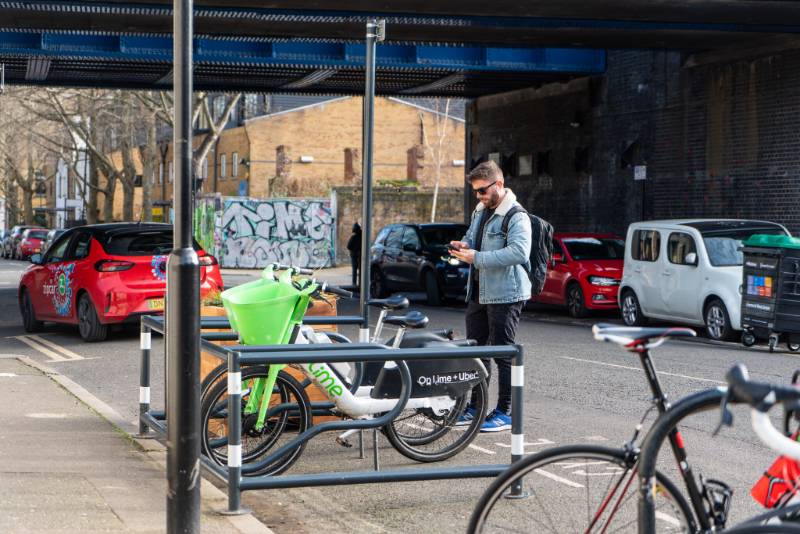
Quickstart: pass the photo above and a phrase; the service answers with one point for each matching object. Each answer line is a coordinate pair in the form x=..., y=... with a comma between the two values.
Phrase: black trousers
x=355, y=262
x=495, y=324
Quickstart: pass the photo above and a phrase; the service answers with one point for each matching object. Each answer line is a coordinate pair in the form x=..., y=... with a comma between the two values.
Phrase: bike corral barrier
x=237, y=356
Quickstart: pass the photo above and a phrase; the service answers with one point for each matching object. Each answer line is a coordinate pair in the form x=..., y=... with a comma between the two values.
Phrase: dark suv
x=414, y=257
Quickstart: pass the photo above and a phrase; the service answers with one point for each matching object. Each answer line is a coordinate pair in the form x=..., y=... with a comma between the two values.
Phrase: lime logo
x=325, y=379
x=62, y=284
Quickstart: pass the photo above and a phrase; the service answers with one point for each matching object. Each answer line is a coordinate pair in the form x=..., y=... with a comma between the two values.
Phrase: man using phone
x=498, y=285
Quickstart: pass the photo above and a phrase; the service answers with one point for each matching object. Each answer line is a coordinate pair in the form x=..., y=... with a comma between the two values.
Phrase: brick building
x=710, y=137
x=305, y=151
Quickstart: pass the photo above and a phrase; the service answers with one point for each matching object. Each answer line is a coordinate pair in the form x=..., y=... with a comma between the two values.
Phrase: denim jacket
x=501, y=263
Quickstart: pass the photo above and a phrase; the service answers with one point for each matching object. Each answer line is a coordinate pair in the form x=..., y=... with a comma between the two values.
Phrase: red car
x=104, y=274
x=31, y=243
x=585, y=272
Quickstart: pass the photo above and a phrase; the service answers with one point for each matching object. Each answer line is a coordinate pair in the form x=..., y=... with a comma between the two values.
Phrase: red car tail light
x=112, y=266
x=207, y=260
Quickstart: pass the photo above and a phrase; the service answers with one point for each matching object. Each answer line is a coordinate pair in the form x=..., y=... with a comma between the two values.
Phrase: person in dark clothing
x=354, y=246
x=498, y=285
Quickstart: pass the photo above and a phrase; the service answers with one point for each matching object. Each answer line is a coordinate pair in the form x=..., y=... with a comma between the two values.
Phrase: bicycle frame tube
x=263, y=394
x=659, y=432
x=675, y=441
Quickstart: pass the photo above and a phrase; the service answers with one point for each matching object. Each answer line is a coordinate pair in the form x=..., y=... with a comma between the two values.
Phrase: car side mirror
x=690, y=259
x=558, y=258
x=36, y=259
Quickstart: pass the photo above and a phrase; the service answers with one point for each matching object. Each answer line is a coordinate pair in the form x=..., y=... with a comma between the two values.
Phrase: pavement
x=69, y=465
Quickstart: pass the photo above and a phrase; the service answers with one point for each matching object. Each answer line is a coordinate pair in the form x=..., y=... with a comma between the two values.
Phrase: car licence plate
x=155, y=304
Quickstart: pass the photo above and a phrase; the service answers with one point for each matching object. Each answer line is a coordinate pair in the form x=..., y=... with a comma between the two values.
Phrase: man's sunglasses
x=484, y=189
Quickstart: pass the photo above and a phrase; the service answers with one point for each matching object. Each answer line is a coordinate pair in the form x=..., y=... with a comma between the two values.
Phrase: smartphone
x=451, y=247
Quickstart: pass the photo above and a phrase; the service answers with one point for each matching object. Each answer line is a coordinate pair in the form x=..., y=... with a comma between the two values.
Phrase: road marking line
x=54, y=357
x=540, y=441
x=487, y=451
x=557, y=478
x=65, y=351
x=639, y=369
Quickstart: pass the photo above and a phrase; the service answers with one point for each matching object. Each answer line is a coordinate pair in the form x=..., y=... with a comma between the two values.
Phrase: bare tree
x=435, y=147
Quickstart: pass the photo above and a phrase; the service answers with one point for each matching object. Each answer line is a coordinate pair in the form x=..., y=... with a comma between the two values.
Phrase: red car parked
x=31, y=243
x=585, y=272
x=103, y=274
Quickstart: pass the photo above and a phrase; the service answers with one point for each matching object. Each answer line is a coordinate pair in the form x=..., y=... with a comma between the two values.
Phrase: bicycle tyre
x=428, y=445
x=255, y=444
x=765, y=529
x=567, y=461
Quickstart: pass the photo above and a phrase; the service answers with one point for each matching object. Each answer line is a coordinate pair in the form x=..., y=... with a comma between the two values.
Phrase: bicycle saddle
x=412, y=319
x=395, y=302
x=633, y=336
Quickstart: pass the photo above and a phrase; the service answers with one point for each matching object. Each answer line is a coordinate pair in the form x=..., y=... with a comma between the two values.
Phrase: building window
x=204, y=169
x=223, y=167
x=543, y=164
x=153, y=177
x=219, y=107
x=161, y=173
x=235, y=164
x=251, y=106
x=525, y=165
x=171, y=172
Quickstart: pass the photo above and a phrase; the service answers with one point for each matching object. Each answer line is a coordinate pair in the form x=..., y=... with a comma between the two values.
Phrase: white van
x=687, y=271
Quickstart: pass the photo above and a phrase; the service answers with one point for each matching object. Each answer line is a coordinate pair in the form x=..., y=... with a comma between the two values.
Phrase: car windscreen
x=39, y=234
x=442, y=235
x=591, y=248
x=724, y=246
x=138, y=242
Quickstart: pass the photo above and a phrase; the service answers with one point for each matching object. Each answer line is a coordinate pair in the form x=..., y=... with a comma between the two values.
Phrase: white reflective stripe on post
x=144, y=395
x=234, y=456
x=517, y=375
x=235, y=383
x=517, y=444
x=363, y=335
x=145, y=340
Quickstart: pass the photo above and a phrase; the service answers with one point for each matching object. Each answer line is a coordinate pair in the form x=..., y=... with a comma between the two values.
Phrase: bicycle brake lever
x=726, y=419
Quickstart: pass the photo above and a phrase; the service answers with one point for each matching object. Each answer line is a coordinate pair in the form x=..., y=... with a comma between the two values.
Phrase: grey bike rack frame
x=239, y=355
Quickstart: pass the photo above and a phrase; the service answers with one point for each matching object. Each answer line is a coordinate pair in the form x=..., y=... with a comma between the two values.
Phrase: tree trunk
x=108, y=199
x=150, y=159
x=27, y=205
x=91, y=193
x=128, y=190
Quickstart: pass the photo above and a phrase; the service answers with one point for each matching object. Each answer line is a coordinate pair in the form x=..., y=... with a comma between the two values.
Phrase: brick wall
x=416, y=207
x=718, y=140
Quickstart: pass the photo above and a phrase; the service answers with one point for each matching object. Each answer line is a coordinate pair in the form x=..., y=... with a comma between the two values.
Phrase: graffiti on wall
x=252, y=233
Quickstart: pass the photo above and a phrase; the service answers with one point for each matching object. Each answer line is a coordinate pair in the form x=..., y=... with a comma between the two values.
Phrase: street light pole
x=376, y=31
x=183, y=304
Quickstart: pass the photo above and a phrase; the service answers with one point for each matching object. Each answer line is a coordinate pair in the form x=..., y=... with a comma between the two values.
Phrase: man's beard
x=493, y=201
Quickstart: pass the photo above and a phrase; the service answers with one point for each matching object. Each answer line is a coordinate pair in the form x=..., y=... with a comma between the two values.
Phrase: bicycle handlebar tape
x=760, y=395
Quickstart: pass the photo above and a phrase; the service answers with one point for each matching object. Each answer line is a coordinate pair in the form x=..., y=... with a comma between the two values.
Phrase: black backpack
x=541, y=247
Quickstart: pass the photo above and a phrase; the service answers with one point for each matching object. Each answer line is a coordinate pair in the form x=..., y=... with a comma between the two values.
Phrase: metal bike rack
x=239, y=355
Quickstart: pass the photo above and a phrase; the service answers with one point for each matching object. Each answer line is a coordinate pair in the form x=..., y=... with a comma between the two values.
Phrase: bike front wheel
x=576, y=489
x=289, y=414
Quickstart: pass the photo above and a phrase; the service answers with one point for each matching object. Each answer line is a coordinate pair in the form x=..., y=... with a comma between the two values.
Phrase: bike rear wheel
x=576, y=489
x=426, y=436
x=279, y=427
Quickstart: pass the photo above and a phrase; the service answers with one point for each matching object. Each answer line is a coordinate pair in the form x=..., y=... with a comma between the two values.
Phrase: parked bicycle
x=590, y=488
x=286, y=410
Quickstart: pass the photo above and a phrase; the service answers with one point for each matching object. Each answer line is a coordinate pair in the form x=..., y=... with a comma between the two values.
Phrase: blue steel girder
x=322, y=55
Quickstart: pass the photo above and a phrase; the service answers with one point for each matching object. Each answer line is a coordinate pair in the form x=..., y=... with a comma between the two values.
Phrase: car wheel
x=29, y=321
x=432, y=289
x=631, y=311
x=718, y=323
x=377, y=286
x=89, y=325
x=575, y=303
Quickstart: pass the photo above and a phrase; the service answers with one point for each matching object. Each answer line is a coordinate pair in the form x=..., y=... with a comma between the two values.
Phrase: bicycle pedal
x=344, y=443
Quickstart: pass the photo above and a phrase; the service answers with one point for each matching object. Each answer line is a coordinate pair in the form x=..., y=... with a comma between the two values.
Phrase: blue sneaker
x=466, y=418
x=496, y=421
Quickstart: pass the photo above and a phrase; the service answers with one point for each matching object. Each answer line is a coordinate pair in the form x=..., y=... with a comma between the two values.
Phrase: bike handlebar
x=761, y=396
x=338, y=291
